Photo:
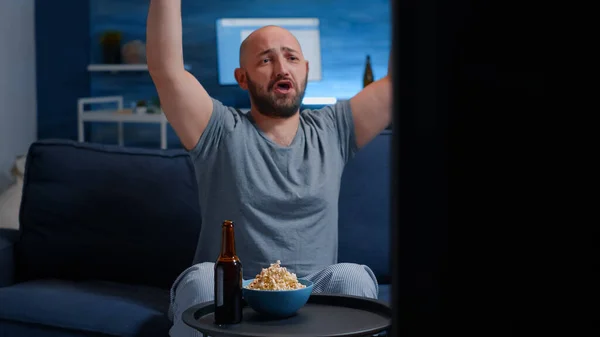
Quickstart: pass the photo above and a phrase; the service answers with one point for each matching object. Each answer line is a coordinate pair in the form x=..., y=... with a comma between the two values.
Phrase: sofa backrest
x=364, y=208
x=132, y=215
x=92, y=211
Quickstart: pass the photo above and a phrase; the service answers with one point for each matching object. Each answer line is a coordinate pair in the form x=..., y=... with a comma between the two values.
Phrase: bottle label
x=219, y=298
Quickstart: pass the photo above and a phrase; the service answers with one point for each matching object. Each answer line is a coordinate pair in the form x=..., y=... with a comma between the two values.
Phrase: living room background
x=68, y=35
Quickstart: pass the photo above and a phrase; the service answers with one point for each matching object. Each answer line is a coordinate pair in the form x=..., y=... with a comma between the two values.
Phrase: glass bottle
x=368, y=75
x=228, y=280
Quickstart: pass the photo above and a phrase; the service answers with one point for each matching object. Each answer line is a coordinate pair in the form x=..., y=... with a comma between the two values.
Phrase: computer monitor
x=231, y=32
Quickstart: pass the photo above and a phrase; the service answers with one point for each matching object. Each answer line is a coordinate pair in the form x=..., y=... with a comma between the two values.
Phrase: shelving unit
x=118, y=116
x=121, y=67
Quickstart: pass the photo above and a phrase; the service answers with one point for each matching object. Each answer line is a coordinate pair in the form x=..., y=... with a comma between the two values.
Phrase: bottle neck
x=227, y=240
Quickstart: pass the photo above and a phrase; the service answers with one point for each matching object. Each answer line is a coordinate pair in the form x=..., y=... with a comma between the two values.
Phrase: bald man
x=275, y=171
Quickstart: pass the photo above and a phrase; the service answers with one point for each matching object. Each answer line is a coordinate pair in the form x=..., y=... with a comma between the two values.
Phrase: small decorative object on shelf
x=134, y=52
x=155, y=105
x=111, y=47
x=141, y=107
x=368, y=75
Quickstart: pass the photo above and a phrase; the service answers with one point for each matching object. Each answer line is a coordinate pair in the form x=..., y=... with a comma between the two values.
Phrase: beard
x=272, y=105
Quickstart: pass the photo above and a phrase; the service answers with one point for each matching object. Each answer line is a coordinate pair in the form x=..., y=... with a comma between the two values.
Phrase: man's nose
x=281, y=69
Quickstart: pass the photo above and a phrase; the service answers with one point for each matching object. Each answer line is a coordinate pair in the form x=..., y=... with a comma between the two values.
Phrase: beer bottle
x=368, y=75
x=228, y=279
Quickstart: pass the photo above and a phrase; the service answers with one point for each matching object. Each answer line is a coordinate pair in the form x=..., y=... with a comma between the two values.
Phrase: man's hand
x=186, y=104
x=372, y=108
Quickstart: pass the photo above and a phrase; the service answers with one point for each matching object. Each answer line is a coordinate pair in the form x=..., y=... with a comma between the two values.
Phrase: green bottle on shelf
x=368, y=75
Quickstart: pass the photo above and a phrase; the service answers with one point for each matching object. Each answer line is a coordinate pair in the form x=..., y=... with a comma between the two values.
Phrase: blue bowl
x=277, y=303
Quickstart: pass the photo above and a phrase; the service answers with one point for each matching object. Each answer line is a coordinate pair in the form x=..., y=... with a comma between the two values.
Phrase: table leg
x=120, y=126
x=163, y=135
x=80, y=135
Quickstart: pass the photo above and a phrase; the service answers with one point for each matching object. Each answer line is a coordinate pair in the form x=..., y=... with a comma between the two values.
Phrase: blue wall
x=62, y=55
x=349, y=31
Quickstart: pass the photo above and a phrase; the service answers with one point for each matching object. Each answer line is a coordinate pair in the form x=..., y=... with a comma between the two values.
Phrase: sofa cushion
x=92, y=211
x=100, y=307
x=364, y=208
x=18, y=329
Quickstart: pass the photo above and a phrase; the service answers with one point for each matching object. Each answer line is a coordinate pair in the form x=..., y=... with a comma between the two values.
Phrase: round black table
x=324, y=315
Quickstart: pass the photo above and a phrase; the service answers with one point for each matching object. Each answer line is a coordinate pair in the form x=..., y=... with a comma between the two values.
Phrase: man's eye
x=265, y=60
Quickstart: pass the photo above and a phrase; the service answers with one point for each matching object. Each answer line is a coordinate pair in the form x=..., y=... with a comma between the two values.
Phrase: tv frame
x=286, y=22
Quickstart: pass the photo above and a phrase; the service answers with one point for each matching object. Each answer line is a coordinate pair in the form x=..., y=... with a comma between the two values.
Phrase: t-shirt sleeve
x=222, y=122
x=338, y=118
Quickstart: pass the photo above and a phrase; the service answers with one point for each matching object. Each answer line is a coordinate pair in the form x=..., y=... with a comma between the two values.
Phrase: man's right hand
x=185, y=102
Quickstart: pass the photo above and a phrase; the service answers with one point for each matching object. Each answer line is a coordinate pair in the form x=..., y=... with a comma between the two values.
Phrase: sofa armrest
x=7, y=261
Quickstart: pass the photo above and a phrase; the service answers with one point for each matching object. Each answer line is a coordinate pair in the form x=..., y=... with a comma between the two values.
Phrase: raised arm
x=372, y=108
x=185, y=102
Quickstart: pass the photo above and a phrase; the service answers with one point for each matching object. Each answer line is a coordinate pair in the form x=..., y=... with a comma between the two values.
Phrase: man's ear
x=240, y=77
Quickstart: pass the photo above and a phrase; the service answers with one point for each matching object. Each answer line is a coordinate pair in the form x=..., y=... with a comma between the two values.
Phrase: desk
x=118, y=116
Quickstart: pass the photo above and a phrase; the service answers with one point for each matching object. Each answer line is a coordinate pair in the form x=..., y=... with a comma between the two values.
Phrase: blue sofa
x=105, y=230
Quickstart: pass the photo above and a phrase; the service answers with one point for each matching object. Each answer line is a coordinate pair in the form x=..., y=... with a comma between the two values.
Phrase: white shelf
x=121, y=67
x=116, y=116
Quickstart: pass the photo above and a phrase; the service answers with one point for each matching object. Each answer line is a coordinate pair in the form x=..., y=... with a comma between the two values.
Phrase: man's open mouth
x=283, y=87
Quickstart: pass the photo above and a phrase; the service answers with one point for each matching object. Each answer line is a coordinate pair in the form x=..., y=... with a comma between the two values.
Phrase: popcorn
x=275, y=278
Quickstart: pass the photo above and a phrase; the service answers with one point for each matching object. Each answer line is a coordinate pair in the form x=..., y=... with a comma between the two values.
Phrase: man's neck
x=280, y=130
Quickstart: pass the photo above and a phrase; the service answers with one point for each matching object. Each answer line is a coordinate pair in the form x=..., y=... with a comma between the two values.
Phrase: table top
x=323, y=315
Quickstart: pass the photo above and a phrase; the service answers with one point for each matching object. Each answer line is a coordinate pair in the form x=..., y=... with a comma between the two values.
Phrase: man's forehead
x=269, y=38
x=265, y=42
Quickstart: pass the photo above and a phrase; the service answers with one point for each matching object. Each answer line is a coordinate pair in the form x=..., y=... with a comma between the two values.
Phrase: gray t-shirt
x=283, y=200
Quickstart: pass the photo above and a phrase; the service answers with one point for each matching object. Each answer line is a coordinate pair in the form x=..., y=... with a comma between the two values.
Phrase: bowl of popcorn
x=276, y=292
